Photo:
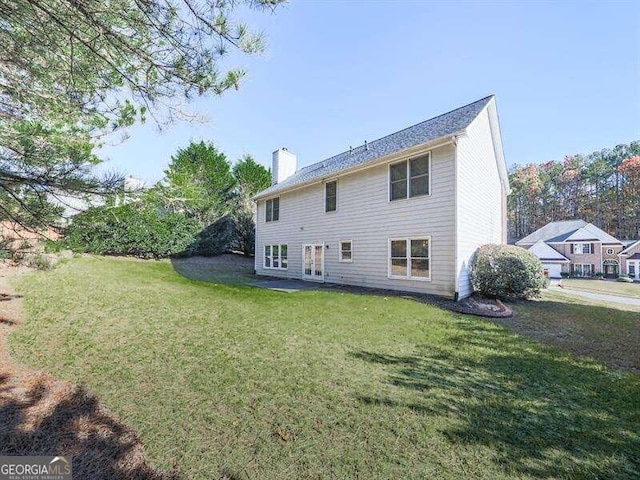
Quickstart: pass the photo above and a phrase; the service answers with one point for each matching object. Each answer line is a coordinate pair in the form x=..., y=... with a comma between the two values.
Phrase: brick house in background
x=578, y=248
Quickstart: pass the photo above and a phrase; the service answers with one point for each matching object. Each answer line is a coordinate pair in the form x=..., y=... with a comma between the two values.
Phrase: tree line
x=602, y=188
x=202, y=206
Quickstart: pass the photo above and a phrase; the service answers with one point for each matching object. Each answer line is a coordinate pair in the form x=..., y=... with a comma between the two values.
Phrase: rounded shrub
x=506, y=271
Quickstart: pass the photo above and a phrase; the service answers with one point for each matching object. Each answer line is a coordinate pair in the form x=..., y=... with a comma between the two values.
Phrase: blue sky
x=566, y=76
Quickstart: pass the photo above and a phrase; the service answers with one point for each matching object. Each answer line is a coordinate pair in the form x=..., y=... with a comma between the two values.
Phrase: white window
x=610, y=251
x=346, y=251
x=631, y=268
x=276, y=257
x=409, y=258
x=582, y=270
x=273, y=209
x=411, y=178
x=331, y=196
x=581, y=248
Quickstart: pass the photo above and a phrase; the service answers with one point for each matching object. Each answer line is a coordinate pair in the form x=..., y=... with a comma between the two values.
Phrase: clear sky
x=566, y=76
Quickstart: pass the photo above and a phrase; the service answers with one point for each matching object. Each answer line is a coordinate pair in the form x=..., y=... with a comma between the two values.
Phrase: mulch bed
x=40, y=415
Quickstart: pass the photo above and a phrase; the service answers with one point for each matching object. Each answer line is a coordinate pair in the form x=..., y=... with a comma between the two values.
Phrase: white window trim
x=265, y=211
x=264, y=257
x=610, y=251
x=408, y=240
x=340, y=259
x=582, y=253
x=591, y=271
x=324, y=198
x=408, y=160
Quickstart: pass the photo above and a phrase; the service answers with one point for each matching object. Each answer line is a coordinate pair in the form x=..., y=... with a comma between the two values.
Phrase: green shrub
x=216, y=239
x=131, y=229
x=53, y=246
x=506, y=271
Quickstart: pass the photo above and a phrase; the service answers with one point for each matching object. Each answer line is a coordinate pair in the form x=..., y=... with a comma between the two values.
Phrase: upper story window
x=581, y=248
x=410, y=178
x=610, y=251
x=273, y=209
x=331, y=196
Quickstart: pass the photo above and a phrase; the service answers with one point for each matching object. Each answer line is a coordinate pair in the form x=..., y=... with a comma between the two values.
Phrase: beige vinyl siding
x=479, y=197
x=366, y=216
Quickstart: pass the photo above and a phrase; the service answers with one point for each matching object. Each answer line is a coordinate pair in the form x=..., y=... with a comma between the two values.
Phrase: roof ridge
x=398, y=131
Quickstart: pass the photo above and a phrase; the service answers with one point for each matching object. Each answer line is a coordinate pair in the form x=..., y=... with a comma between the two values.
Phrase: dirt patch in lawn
x=40, y=415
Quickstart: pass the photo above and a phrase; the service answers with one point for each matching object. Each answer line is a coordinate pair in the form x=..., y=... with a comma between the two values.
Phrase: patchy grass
x=249, y=383
x=606, y=331
x=604, y=286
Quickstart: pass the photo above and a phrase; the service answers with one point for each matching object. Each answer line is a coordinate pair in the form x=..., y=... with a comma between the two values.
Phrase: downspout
x=456, y=293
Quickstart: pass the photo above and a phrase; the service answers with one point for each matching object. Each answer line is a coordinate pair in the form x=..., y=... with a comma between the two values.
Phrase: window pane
x=399, y=267
x=345, y=250
x=331, y=190
x=275, y=249
x=420, y=268
x=419, y=186
x=276, y=209
x=419, y=166
x=284, y=250
x=307, y=260
x=398, y=171
x=398, y=248
x=318, y=261
x=269, y=210
x=420, y=248
x=398, y=190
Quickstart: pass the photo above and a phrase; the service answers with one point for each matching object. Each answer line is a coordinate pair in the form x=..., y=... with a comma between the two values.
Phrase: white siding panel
x=479, y=197
x=366, y=216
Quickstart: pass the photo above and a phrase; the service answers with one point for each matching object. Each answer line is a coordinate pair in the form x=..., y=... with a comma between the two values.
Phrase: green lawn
x=604, y=286
x=322, y=384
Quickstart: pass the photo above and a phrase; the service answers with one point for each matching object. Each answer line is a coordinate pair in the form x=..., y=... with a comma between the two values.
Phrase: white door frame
x=313, y=277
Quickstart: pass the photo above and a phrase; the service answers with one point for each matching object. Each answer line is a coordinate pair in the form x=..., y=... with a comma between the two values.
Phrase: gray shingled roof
x=553, y=232
x=427, y=131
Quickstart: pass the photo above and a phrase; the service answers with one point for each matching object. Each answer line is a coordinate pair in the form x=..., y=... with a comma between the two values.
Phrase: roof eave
x=395, y=156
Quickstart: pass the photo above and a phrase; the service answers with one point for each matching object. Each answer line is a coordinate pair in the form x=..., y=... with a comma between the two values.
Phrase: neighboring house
x=578, y=248
x=73, y=205
x=404, y=212
x=630, y=260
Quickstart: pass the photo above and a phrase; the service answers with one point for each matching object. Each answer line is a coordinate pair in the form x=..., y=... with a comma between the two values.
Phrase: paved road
x=598, y=296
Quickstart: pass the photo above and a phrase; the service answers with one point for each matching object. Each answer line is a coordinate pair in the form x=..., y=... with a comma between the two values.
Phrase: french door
x=313, y=262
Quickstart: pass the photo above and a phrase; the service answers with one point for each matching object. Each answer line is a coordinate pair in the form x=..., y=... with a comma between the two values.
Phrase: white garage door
x=553, y=269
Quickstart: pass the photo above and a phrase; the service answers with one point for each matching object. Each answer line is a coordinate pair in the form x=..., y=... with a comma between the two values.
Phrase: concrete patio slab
x=288, y=286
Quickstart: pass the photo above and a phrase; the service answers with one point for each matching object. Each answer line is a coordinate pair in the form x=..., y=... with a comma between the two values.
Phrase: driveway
x=597, y=296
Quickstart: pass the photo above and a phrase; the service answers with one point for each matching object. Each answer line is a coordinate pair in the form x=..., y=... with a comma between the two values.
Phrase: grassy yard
x=267, y=385
x=604, y=286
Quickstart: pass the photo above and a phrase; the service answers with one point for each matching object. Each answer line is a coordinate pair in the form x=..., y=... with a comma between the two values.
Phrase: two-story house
x=404, y=212
x=578, y=248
